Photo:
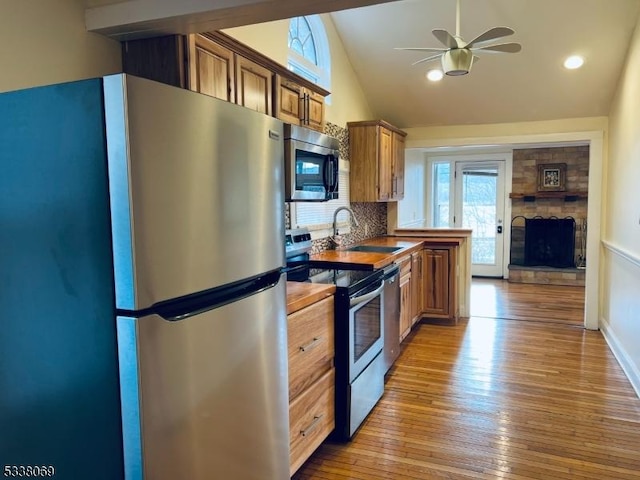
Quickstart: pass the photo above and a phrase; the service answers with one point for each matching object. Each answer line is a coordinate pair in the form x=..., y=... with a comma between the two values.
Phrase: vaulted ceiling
x=527, y=86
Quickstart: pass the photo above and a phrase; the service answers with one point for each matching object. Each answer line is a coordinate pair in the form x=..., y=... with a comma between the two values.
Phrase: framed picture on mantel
x=552, y=177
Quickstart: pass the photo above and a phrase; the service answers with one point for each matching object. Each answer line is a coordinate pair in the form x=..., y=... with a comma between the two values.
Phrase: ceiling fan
x=459, y=55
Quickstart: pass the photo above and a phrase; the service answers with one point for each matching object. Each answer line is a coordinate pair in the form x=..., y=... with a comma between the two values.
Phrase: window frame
x=321, y=70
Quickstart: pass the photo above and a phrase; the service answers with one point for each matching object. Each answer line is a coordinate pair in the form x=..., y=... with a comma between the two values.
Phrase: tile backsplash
x=372, y=217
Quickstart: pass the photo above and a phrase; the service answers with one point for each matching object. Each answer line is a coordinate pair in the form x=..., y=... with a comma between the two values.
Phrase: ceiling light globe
x=457, y=61
x=573, y=62
x=435, y=75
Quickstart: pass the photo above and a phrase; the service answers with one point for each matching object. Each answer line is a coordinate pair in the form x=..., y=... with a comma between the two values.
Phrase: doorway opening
x=468, y=191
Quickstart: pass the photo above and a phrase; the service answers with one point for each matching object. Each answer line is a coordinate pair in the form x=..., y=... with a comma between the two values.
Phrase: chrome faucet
x=335, y=219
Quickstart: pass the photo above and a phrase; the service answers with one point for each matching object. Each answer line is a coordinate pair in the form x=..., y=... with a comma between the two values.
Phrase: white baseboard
x=630, y=369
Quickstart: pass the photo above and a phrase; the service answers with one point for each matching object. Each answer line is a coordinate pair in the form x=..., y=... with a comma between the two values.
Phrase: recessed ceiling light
x=573, y=62
x=435, y=75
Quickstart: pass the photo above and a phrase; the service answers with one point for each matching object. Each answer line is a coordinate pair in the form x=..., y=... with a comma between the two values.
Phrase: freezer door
x=196, y=187
x=207, y=397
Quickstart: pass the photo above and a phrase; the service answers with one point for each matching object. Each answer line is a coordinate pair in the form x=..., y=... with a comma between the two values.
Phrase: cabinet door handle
x=312, y=425
x=302, y=109
x=310, y=345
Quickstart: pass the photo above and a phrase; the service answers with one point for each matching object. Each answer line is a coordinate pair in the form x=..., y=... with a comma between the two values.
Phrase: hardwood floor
x=497, y=298
x=496, y=398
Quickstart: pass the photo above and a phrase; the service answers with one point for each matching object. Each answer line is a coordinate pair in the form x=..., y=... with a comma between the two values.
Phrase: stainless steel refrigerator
x=191, y=317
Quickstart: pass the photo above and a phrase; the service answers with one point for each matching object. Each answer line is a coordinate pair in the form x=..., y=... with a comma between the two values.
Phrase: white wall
x=621, y=280
x=412, y=209
x=348, y=102
x=498, y=133
x=45, y=41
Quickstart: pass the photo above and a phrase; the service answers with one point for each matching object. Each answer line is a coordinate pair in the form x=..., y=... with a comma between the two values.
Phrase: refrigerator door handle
x=182, y=308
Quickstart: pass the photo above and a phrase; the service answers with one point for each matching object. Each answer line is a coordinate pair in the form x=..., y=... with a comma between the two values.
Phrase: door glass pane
x=479, y=195
x=441, y=201
x=366, y=327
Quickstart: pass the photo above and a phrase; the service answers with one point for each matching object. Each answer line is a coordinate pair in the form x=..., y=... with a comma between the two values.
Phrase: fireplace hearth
x=548, y=242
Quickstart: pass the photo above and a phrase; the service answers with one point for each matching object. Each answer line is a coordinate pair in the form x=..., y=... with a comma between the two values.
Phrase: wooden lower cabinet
x=439, y=290
x=311, y=350
x=311, y=419
x=311, y=345
x=416, y=287
x=405, y=297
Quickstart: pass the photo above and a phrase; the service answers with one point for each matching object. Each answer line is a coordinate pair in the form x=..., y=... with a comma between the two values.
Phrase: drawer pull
x=314, y=424
x=310, y=345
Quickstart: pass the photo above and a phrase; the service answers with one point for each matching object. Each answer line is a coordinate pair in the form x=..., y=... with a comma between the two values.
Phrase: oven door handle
x=367, y=296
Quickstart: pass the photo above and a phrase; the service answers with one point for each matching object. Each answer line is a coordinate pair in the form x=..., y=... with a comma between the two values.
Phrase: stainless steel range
x=359, y=331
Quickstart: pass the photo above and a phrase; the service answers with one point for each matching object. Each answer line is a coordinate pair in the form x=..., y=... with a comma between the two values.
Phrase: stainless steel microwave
x=311, y=165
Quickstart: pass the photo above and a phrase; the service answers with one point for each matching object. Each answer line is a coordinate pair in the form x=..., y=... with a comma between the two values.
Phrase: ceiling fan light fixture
x=573, y=62
x=457, y=61
x=435, y=75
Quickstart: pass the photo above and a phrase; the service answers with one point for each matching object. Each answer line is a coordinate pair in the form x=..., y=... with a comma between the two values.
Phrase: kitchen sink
x=373, y=249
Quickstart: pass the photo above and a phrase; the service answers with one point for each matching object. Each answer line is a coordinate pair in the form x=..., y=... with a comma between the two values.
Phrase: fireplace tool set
x=582, y=258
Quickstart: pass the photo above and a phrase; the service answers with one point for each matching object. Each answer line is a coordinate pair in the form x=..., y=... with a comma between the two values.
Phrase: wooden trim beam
x=133, y=19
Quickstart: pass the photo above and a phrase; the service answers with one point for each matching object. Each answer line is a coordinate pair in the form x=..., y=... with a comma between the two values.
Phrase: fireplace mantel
x=533, y=196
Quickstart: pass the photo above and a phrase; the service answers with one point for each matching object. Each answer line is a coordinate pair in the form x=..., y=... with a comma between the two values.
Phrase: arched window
x=309, y=54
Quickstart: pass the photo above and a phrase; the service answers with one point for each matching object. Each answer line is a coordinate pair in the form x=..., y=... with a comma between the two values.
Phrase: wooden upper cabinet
x=217, y=71
x=315, y=110
x=376, y=152
x=397, y=166
x=254, y=85
x=297, y=104
x=216, y=64
x=384, y=164
x=211, y=68
x=162, y=59
x=288, y=100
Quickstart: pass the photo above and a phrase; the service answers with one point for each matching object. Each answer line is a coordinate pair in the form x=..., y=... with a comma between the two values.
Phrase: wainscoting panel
x=620, y=321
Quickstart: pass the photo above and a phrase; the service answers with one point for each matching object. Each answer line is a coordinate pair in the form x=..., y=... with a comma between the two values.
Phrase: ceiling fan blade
x=445, y=38
x=426, y=49
x=499, y=48
x=428, y=59
x=491, y=34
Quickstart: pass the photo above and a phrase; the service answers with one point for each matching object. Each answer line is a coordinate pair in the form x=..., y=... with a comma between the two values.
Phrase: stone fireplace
x=547, y=228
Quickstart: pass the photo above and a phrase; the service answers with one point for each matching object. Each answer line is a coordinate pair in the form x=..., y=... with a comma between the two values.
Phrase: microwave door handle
x=330, y=172
x=366, y=297
x=327, y=175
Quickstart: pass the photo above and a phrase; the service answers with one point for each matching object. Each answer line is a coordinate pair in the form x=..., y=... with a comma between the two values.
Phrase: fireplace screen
x=543, y=242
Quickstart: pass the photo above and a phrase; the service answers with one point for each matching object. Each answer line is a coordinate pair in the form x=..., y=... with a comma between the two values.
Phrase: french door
x=479, y=205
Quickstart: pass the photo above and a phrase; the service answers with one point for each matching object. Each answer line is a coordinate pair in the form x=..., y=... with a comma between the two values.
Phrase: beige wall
x=45, y=41
x=621, y=279
x=348, y=102
x=506, y=133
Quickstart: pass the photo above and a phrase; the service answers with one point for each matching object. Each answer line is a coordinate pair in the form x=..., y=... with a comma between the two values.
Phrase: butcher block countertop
x=301, y=294
x=370, y=259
